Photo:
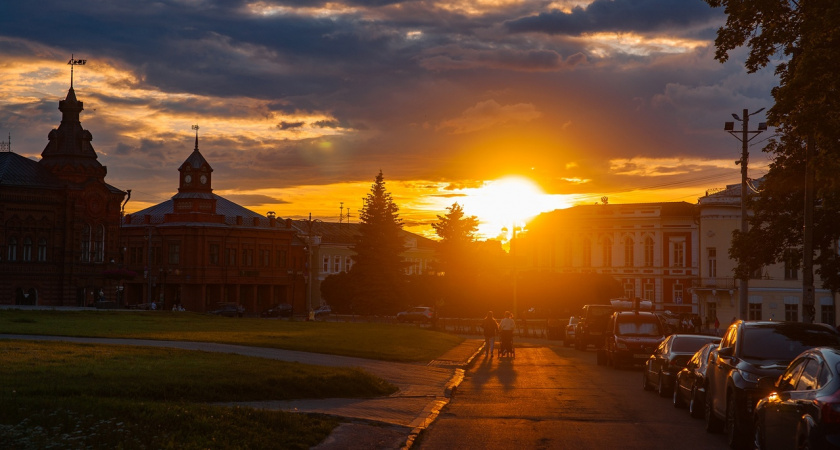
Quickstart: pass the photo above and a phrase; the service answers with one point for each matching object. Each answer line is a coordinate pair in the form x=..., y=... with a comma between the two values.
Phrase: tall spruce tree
x=379, y=270
x=457, y=233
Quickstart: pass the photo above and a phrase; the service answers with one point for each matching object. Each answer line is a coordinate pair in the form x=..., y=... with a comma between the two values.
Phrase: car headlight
x=748, y=376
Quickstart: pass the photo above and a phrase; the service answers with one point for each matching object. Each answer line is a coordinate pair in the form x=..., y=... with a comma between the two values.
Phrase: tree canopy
x=457, y=233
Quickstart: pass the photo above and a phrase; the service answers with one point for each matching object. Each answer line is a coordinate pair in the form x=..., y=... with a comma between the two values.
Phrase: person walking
x=490, y=329
x=506, y=327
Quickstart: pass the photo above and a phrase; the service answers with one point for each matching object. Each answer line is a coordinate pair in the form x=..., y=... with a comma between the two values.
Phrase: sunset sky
x=508, y=107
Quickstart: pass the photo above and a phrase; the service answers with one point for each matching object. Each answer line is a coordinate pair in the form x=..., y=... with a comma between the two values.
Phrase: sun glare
x=508, y=202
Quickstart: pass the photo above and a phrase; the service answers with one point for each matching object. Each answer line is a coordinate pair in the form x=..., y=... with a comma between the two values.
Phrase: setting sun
x=510, y=200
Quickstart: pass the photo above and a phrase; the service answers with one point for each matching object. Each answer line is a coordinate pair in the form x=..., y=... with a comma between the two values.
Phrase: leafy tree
x=804, y=36
x=457, y=233
x=379, y=270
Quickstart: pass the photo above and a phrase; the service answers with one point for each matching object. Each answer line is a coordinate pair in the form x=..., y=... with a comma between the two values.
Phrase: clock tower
x=195, y=201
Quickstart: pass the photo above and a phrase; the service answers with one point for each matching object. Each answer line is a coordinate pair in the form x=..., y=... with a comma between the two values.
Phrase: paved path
x=423, y=388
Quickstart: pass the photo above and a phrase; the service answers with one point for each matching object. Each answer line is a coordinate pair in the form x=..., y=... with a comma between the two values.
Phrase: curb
x=430, y=413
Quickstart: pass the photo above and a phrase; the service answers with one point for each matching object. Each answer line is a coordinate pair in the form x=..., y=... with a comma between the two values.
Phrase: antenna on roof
x=74, y=62
x=6, y=146
x=343, y=216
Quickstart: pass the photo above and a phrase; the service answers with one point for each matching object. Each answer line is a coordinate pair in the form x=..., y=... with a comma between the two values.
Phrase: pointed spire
x=195, y=127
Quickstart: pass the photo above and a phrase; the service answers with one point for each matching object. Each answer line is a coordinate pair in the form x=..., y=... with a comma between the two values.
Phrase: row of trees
x=470, y=277
x=799, y=203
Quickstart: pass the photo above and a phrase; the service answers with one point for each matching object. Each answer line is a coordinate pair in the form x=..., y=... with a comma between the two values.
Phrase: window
x=587, y=252
x=214, y=255
x=628, y=252
x=42, y=249
x=348, y=262
x=281, y=258
x=85, y=244
x=648, y=251
x=606, y=252
x=629, y=290
x=12, y=251
x=27, y=249
x=808, y=378
x=754, y=311
x=791, y=260
x=99, y=244
x=711, y=253
x=755, y=274
x=791, y=312
x=827, y=311
x=336, y=264
x=678, y=294
x=230, y=256
x=174, y=253
x=326, y=265
x=265, y=257
x=648, y=293
x=678, y=253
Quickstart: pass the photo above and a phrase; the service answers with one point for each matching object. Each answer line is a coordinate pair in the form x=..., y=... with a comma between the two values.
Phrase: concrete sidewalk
x=383, y=423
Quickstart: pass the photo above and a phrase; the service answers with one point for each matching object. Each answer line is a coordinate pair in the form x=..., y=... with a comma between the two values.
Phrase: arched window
x=606, y=252
x=12, y=251
x=42, y=250
x=648, y=251
x=85, y=244
x=27, y=249
x=99, y=244
x=628, y=252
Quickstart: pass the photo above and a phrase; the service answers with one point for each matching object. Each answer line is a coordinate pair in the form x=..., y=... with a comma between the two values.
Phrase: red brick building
x=199, y=249
x=59, y=219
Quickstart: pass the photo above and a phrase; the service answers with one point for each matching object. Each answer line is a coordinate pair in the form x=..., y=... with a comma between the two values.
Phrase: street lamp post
x=311, y=240
x=745, y=138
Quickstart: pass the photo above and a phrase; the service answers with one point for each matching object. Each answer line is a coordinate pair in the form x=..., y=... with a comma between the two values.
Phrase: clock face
x=188, y=178
x=203, y=179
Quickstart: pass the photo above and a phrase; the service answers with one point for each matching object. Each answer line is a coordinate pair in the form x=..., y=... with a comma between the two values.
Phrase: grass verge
x=389, y=342
x=59, y=395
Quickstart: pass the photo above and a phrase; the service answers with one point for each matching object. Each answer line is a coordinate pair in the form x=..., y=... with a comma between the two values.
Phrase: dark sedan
x=281, y=310
x=804, y=409
x=690, y=385
x=228, y=310
x=669, y=358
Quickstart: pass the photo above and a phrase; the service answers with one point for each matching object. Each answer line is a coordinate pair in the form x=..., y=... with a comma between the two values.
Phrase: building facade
x=774, y=292
x=650, y=248
x=59, y=219
x=199, y=249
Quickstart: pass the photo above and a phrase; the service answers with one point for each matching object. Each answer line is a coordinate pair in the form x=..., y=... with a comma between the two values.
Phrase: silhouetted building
x=59, y=220
x=199, y=249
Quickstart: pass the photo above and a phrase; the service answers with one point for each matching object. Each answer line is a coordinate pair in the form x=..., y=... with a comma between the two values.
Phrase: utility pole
x=745, y=138
x=808, y=295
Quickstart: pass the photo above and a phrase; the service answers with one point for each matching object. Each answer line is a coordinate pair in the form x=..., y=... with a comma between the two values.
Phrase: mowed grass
x=388, y=342
x=60, y=395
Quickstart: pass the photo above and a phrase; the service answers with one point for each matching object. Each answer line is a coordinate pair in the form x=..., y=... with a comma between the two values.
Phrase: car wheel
x=758, y=434
x=675, y=396
x=661, y=389
x=734, y=425
x=695, y=406
x=645, y=384
x=713, y=424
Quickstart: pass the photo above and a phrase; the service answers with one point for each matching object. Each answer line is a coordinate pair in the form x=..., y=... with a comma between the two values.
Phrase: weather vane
x=74, y=62
x=195, y=127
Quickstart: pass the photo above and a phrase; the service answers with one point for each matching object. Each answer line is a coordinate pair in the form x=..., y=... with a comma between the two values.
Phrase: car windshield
x=689, y=344
x=784, y=343
x=638, y=326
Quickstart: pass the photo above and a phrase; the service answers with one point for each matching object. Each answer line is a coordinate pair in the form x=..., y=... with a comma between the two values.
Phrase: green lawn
x=64, y=395
x=389, y=342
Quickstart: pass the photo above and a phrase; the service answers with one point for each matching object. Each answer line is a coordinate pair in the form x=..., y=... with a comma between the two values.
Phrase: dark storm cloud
x=290, y=125
x=618, y=16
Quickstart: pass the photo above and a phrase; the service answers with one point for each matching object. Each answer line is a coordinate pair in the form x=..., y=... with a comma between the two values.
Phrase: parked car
x=749, y=351
x=323, y=310
x=591, y=325
x=630, y=338
x=690, y=385
x=569, y=334
x=669, y=358
x=804, y=409
x=418, y=314
x=280, y=310
x=228, y=310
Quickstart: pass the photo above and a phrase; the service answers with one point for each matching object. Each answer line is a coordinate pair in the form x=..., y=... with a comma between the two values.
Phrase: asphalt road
x=558, y=398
